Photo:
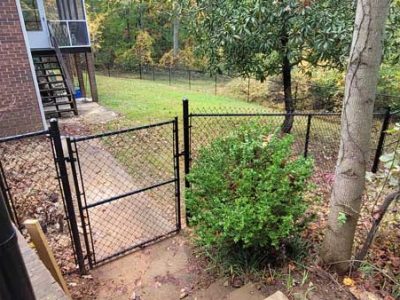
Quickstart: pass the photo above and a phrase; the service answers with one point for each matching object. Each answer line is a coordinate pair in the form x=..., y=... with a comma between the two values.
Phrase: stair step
x=54, y=112
x=48, y=69
x=57, y=103
x=56, y=96
x=49, y=75
x=53, y=90
x=40, y=58
x=59, y=111
x=45, y=62
x=46, y=65
x=52, y=82
x=44, y=55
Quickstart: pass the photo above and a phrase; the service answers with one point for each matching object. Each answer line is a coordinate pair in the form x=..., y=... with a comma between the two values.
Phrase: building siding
x=19, y=107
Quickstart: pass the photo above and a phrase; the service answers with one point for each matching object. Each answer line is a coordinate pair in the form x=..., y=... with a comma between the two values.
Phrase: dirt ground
x=165, y=270
x=170, y=270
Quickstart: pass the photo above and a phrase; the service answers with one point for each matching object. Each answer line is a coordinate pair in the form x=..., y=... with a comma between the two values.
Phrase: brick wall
x=19, y=108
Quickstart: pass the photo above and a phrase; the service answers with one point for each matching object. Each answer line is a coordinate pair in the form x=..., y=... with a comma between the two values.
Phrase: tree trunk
x=287, y=85
x=287, y=90
x=128, y=26
x=140, y=14
x=176, y=24
x=358, y=105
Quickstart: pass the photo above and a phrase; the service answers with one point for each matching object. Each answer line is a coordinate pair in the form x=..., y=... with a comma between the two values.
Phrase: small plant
x=246, y=195
x=342, y=218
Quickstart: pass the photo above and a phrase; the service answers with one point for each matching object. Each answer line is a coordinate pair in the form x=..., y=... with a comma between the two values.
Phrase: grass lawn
x=144, y=101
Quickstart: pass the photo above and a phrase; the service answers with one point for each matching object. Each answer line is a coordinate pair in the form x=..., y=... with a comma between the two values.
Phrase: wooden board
x=45, y=254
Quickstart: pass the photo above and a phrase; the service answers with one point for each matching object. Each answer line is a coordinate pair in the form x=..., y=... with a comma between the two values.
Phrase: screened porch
x=65, y=20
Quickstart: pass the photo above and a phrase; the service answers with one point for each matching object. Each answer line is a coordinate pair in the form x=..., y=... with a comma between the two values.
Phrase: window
x=79, y=36
x=64, y=10
x=31, y=15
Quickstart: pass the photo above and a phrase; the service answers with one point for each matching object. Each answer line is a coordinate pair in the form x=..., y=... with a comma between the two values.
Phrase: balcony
x=65, y=20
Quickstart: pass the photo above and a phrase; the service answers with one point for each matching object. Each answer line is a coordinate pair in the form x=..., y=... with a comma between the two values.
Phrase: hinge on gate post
x=69, y=159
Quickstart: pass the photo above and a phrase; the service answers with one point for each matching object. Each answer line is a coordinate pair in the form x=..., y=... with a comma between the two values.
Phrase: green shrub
x=247, y=191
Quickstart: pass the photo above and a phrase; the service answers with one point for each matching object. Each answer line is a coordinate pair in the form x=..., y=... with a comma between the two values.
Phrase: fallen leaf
x=347, y=281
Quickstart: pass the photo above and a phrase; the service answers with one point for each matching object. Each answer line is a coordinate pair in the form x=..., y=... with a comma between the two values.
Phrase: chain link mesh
x=33, y=191
x=129, y=187
x=323, y=140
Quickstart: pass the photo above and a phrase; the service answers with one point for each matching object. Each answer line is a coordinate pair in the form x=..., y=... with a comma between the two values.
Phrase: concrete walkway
x=128, y=221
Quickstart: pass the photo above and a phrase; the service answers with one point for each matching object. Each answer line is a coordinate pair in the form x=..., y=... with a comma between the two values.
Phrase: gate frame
x=60, y=160
x=83, y=207
x=79, y=193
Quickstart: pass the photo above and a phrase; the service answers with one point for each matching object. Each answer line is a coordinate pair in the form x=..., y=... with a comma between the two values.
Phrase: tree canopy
x=269, y=37
x=252, y=37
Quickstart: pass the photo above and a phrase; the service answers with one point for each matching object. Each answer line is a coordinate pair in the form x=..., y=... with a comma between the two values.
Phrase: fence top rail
x=23, y=136
x=260, y=114
x=110, y=133
x=270, y=114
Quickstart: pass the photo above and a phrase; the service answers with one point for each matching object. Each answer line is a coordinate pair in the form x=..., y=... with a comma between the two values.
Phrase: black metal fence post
x=186, y=139
x=169, y=75
x=154, y=75
x=140, y=71
x=60, y=160
x=309, y=117
x=381, y=141
x=14, y=279
x=177, y=175
x=186, y=147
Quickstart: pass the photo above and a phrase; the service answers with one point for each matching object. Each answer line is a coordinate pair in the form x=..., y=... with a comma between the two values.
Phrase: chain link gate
x=127, y=189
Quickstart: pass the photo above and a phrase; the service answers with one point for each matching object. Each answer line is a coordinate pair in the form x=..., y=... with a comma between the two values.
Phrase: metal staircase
x=56, y=93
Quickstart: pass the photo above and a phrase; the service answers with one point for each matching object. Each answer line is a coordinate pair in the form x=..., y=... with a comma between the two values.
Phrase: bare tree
x=357, y=114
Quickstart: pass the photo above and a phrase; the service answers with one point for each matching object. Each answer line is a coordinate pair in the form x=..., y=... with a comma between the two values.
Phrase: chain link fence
x=306, y=96
x=125, y=184
x=316, y=135
x=30, y=179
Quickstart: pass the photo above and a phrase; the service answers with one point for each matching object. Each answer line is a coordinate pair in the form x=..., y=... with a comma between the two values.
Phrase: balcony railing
x=70, y=33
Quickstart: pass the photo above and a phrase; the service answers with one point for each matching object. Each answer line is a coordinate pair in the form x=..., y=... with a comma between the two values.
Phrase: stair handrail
x=61, y=61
